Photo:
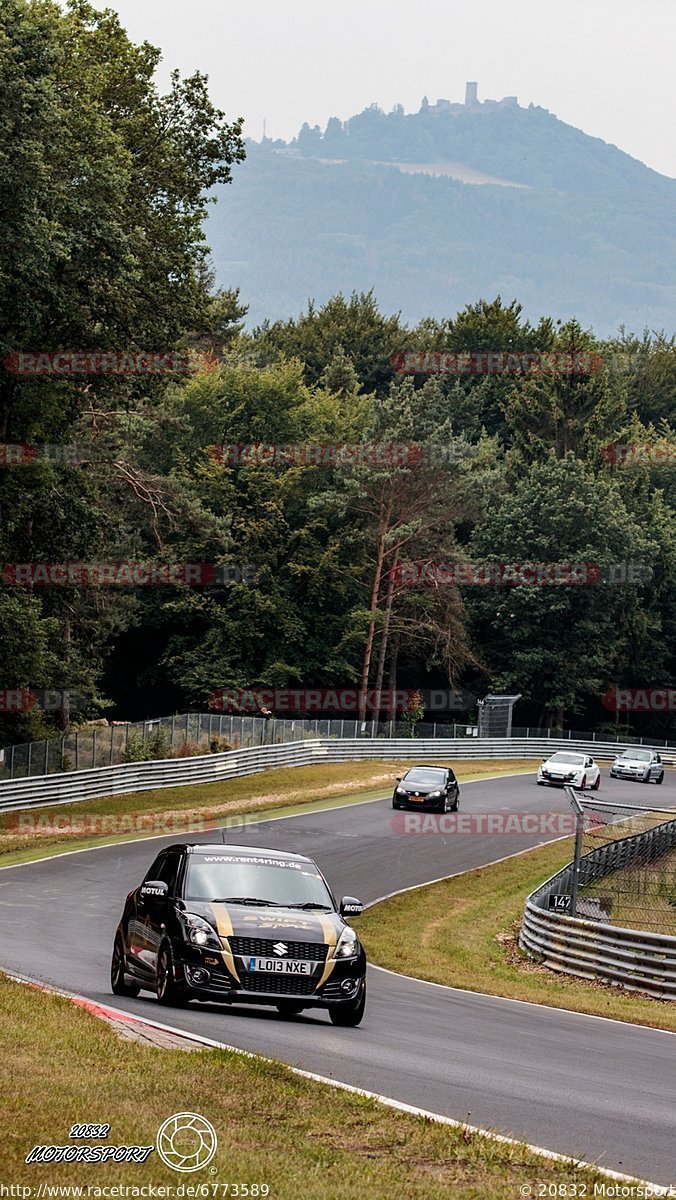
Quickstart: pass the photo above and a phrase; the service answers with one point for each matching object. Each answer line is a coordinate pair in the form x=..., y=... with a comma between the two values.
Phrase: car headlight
x=401, y=791
x=434, y=795
x=348, y=943
x=199, y=932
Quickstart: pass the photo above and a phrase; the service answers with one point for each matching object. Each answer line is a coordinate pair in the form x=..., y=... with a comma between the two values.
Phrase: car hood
x=420, y=789
x=631, y=762
x=564, y=768
x=241, y=920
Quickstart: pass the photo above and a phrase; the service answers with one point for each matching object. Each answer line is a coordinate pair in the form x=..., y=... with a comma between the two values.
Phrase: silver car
x=646, y=766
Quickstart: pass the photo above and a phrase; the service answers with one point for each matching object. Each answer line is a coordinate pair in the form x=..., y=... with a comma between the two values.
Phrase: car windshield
x=243, y=879
x=640, y=755
x=563, y=757
x=425, y=776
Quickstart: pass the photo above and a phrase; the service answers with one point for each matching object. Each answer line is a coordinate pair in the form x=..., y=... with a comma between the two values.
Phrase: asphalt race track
x=595, y=1089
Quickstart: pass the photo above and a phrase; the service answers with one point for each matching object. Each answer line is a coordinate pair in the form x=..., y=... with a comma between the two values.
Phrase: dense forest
x=104, y=185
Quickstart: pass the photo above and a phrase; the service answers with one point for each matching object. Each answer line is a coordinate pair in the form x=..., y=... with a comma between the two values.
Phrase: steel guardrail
x=125, y=778
x=634, y=958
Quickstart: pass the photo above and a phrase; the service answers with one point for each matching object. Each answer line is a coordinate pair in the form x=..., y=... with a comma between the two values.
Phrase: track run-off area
x=584, y=1086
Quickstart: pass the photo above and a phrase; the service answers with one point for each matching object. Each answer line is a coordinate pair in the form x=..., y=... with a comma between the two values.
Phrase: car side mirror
x=155, y=889
x=398, y=778
x=350, y=907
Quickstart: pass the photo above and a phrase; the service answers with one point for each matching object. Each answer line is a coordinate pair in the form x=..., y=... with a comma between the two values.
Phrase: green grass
x=462, y=932
x=177, y=811
x=59, y=1066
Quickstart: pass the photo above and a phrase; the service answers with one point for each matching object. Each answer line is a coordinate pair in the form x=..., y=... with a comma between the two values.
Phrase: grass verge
x=178, y=811
x=463, y=932
x=60, y=1066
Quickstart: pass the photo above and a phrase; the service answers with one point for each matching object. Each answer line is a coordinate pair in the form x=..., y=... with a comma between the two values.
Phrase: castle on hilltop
x=472, y=103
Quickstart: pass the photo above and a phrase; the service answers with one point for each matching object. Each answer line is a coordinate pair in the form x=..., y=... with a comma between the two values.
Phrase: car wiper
x=309, y=904
x=246, y=900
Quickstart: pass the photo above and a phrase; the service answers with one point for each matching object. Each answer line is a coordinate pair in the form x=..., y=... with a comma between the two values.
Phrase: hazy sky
x=605, y=66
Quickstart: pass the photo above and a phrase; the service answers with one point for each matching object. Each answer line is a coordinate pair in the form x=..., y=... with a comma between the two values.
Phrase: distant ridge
x=563, y=222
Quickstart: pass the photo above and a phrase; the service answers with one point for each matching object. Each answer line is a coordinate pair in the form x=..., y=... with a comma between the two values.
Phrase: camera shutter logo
x=186, y=1142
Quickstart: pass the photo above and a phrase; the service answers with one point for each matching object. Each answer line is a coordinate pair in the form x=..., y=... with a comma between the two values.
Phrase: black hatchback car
x=427, y=787
x=240, y=925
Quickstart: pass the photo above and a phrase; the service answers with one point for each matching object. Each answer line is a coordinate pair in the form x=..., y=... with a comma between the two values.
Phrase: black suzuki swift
x=240, y=925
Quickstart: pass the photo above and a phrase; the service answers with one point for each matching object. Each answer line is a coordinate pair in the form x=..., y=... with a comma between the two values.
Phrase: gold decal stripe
x=224, y=926
x=330, y=937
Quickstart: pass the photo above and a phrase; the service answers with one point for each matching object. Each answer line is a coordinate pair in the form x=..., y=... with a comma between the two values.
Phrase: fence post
x=434, y=730
x=112, y=743
x=28, y=764
x=94, y=748
x=46, y=766
x=11, y=763
x=579, y=834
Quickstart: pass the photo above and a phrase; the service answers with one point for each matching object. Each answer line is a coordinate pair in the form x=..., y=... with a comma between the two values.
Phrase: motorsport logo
x=88, y=1153
x=184, y=1142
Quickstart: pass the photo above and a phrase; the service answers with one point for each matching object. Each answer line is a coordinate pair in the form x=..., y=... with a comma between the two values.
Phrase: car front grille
x=284, y=985
x=264, y=948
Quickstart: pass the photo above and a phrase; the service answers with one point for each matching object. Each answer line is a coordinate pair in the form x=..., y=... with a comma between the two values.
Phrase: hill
x=438, y=208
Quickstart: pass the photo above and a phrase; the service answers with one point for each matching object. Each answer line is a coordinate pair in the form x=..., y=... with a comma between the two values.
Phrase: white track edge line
x=400, y=1105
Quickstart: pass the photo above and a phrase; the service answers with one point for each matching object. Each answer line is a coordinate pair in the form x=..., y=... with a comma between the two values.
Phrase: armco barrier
x=210, y=768
x=633, y=958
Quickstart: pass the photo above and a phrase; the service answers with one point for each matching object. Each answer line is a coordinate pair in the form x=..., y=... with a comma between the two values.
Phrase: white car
x=643, y=765
x=566, y=766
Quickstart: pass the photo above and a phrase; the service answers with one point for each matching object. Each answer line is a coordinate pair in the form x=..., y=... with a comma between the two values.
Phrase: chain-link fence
x=189, y=734
x=627, y=866
x=199, y=733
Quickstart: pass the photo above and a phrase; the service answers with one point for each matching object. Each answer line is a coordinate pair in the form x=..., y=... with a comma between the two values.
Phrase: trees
x=357, y=325
x=561, y=645
x=103, y=187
